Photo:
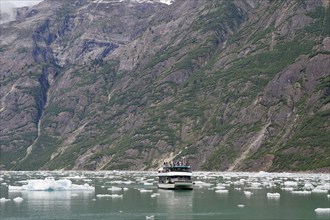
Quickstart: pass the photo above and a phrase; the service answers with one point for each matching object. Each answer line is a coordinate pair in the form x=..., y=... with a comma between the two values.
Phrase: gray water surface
x=134, y=195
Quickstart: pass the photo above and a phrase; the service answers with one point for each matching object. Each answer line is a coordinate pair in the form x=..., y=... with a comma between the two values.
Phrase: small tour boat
x=175, y=177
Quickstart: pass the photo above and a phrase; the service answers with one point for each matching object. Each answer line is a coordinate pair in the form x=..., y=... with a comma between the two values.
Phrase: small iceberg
x=222, y=191
x=301, y=192
x=320, y=191
x=109, y=196
x=145, y=191
x=322, y=210
x=3, y=200
x=273, y=195
x=290, y=184
x=115, y=188
x=50, y=184
x=18, y=199
x=148, y=184
x=219, y=187
x=202, y=184
x=155, y=195
x=248, y=193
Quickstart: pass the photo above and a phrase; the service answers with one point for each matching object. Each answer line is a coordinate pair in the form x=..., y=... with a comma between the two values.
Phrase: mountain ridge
x=230, y=85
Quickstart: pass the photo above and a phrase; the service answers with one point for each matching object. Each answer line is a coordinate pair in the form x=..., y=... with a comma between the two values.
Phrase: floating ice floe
x=114, y=188
x=287, y=188
x=290, y=184
x=320, y=191
x=202, y=184
x=3, y=200
x=145, y=190
x=322, y=210
x=109, y=196
x=273, y=195
x=18, y=199
x=255, y=185
x=308, y=186
x=148, y=184
x=155, y=195
x=127, y=182
x=328, y=196
x=219, y=187
x=50, y=184
x=223, y=191
x=248, y=193
x=301, y=192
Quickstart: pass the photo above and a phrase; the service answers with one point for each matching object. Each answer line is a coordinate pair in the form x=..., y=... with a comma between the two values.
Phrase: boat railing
x=175, y=169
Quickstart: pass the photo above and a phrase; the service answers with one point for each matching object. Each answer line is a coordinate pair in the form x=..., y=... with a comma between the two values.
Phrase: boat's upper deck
x=182, y=168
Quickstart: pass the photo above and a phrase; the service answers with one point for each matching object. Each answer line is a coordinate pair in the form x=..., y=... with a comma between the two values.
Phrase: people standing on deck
x=175, y=163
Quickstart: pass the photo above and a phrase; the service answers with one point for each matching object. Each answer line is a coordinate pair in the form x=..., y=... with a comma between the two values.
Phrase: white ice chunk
x=319, y=191
x=301, y=192
x=223, y=191
x=287, y=188
x=202, y=184
x=145, y=190
x=116, y=196
x=75, y=177
x=15, y=188
x=220, y=187
x=128, y=182
x=255, y=185
x=155, y=195
x=50, y=184
x=273, y=195
x=308, y=186
x=3, y=200
x=325, y=186
x=291, y=184
x=18, y=199
x=247, y=193
x=322, y=210
x=148, y=184
x=103, y=195
x=114, y=188
x=109, y=196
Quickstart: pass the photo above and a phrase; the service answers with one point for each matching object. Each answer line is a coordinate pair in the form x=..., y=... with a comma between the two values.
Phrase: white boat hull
x=177, y=185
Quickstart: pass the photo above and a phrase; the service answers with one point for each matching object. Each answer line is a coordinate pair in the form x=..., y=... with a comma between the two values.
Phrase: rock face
x=229, y=85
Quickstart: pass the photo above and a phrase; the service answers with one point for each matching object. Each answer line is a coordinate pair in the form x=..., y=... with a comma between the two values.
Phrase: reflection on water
x=55, y=203
x=178, y=204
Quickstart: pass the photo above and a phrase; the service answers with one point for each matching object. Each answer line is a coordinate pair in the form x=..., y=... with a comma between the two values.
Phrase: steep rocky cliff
x=229, y=85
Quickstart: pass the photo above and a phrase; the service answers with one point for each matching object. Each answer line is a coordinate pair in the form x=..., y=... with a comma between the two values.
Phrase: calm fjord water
x=134, y=195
